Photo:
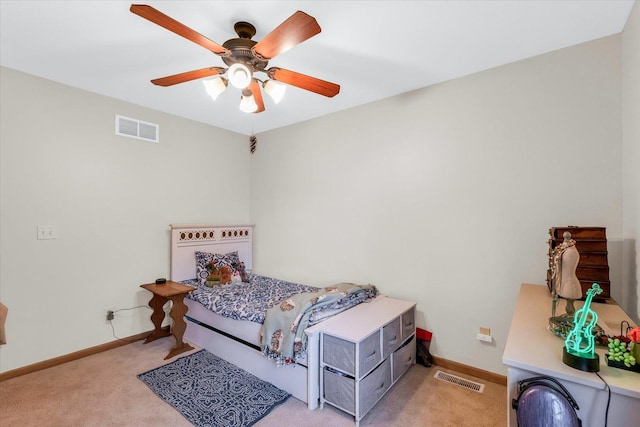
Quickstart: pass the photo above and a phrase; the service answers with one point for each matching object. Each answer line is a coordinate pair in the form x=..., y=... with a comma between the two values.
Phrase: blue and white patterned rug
x=209, y=391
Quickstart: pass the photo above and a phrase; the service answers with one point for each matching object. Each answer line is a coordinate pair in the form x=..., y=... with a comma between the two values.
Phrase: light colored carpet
x=102, y=390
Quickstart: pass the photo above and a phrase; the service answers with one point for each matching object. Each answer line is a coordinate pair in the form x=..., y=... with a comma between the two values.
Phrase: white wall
x=111, y=199
x=444, y=195
x=631, y=161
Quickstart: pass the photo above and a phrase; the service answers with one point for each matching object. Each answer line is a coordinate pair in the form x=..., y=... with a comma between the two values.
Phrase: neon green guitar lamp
x=579, y=346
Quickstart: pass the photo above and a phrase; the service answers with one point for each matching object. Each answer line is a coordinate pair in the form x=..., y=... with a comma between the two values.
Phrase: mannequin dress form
x=568, y=285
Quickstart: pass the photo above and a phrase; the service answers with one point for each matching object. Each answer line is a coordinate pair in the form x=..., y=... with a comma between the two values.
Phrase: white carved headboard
x=186, y=239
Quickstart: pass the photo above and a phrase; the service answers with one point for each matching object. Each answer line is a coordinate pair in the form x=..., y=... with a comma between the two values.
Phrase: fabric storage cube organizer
x=365, y=352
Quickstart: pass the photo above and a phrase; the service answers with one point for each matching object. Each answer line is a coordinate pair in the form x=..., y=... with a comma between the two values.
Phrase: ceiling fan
x=245, y=57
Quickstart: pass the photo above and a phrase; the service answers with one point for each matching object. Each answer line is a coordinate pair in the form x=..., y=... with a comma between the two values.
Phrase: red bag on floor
x=423, y=341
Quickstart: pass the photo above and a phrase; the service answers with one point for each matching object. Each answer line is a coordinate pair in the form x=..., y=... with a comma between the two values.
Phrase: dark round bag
x=544, y=402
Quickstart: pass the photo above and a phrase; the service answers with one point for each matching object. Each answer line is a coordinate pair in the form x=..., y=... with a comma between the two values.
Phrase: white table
x=532, y=350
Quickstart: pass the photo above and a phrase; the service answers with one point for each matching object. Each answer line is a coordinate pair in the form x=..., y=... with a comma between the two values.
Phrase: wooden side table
x=161, y=294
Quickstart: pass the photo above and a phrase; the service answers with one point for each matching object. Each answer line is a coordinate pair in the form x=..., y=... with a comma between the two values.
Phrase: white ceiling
x=373, y=49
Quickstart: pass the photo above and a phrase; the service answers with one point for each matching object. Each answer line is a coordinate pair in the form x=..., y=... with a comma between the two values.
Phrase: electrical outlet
x=484, y=334
x=110, y=315
x=486, y=338
x=47, y=232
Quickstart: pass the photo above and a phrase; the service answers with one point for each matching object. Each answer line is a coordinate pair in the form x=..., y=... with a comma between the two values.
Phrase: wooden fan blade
x=296, y=29
x=188, y=76
x=257, y=95
x=157, y=17
x=305, y=82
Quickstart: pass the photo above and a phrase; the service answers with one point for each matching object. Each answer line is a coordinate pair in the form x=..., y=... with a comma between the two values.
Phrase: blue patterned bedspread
x=246, y=301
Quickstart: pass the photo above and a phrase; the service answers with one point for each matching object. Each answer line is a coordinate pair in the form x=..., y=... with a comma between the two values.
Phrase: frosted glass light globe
x=239, y=75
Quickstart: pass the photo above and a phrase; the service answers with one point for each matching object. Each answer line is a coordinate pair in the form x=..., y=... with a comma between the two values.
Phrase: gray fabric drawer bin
x=374, y=386
x=341, y=354
x=340, y=390
x=391, y=337
x=403, y=358
x=408, y=324
x=370, y=354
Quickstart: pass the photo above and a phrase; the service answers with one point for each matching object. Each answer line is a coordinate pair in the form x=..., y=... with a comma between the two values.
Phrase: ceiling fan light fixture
x=239, y=75
x=247, y=102
x=275, y=90
x=215, y=86
x=244, y=56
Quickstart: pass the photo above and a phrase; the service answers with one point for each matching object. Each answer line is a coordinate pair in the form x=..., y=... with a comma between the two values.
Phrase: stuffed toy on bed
x=214, y=275
x=239, y=266
x=235, y=277
x=225, y=275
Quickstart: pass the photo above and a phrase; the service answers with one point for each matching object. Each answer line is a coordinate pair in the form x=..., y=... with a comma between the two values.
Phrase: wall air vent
x=133, y=128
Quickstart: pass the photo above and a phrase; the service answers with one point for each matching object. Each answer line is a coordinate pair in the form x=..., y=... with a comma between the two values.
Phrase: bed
x=237, y=340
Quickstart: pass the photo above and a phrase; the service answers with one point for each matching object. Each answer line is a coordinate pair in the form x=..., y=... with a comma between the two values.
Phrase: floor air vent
x=462, y=382
x=138, y=129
